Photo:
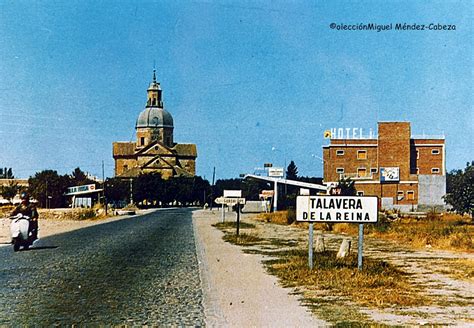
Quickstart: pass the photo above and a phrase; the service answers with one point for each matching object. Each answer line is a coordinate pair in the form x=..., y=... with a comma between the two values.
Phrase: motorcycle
x=21, y=236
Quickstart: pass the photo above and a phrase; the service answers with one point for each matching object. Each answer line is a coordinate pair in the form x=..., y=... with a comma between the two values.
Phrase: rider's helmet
x=24, y=196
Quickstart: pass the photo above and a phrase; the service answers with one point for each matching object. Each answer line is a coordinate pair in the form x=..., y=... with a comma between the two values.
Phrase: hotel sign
x=389, y=174
x=348, y=133
x=336, y=209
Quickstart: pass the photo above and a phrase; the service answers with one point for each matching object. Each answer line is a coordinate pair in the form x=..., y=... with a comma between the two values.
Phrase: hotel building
x=406, y=172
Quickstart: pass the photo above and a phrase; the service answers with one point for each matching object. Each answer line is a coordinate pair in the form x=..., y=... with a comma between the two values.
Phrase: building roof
x=154, y=117
x=186, y=150
x=123, y=148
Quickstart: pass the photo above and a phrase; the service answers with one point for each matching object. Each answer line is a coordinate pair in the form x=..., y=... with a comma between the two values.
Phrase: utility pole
x=131, y=191
x=212, y=190
x=103, y=187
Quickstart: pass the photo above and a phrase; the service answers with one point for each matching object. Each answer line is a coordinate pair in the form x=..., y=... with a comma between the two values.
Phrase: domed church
x=155, y=149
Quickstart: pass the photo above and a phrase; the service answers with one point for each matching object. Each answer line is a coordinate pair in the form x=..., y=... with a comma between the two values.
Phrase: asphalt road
x=137, y=271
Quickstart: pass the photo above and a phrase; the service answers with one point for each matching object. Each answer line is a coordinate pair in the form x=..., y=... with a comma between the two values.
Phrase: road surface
x=139, y=271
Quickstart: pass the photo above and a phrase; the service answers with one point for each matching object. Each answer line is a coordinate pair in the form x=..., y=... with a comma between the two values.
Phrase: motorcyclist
x=28, y=209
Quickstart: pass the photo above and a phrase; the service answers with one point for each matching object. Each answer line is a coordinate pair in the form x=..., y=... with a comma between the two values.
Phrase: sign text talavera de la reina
x=336, y=209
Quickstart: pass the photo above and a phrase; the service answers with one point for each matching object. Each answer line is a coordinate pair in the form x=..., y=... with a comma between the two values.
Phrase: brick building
x=404, y=171
x=154, y=149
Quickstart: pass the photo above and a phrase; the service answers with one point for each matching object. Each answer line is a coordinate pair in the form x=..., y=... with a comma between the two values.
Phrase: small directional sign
x=229, y=201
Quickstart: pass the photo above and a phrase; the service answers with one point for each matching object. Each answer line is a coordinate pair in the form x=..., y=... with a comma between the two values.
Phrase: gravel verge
x=237, y=291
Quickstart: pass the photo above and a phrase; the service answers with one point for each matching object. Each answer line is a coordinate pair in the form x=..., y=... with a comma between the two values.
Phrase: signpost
x=277, y=172
x=232, y=193
x=231, y=201
x=338, y=209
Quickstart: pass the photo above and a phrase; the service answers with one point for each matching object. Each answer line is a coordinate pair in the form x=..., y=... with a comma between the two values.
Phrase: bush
x=87, y=214
x=291, y=215
x=432, y=215
x=461, y=240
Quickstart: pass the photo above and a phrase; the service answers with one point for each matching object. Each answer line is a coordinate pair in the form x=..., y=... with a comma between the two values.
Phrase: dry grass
x=243, y=239
x=278, y=217
x=6, y=210
x=441, y=231
x=379, y=284
x=233, y=225
x=447, y=232
x=460, y=269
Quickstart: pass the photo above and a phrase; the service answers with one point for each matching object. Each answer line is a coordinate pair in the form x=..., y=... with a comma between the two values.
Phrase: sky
x=249, y=82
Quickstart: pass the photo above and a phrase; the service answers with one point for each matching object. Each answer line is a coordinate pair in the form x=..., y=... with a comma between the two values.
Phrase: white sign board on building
x=232, y=193
x=276, y=172
x=77, y=190
x=336, y=209
x=389, y=174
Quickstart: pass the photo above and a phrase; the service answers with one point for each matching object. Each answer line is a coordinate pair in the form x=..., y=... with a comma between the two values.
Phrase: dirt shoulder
x=237, y=290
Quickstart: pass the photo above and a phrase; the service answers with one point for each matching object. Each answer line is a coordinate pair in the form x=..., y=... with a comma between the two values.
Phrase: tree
x=9, y=191
x=460, y=190
x=148, y=188
x=117, y=190
x=48, y=188
x=347, y=187
x=79, y=178
x=292, y=171
x=201, y=191
x=6, y=173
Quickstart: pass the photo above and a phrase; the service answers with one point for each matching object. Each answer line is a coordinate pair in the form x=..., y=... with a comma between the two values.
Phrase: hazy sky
x=248, y=81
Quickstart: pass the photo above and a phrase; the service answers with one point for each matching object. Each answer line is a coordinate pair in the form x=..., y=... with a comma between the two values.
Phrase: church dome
x=154, y=117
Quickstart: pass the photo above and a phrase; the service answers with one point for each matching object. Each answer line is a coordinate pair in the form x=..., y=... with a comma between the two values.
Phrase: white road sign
x=276, y=172
x=229, y=201
x=348, y=209
x=232, y=193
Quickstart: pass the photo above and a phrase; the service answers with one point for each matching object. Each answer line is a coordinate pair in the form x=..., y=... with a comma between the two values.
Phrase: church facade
x=154, y=149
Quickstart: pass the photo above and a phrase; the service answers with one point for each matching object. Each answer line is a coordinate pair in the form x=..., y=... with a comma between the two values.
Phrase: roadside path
x=236, y=290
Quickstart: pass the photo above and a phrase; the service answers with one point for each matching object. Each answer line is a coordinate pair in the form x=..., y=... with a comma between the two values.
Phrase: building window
x=340, y=152
x=361, y=172
x=142, y=141
x=373, y=170
x=410, y=195
x=400, y=195
x=360, y=193
x=434, y=151
x=435, y=170
x=362, y=154
x=340, y=170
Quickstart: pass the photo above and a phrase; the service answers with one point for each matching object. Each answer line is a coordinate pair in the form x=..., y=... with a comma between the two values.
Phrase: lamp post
x=284, y=176
x=322, y=162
